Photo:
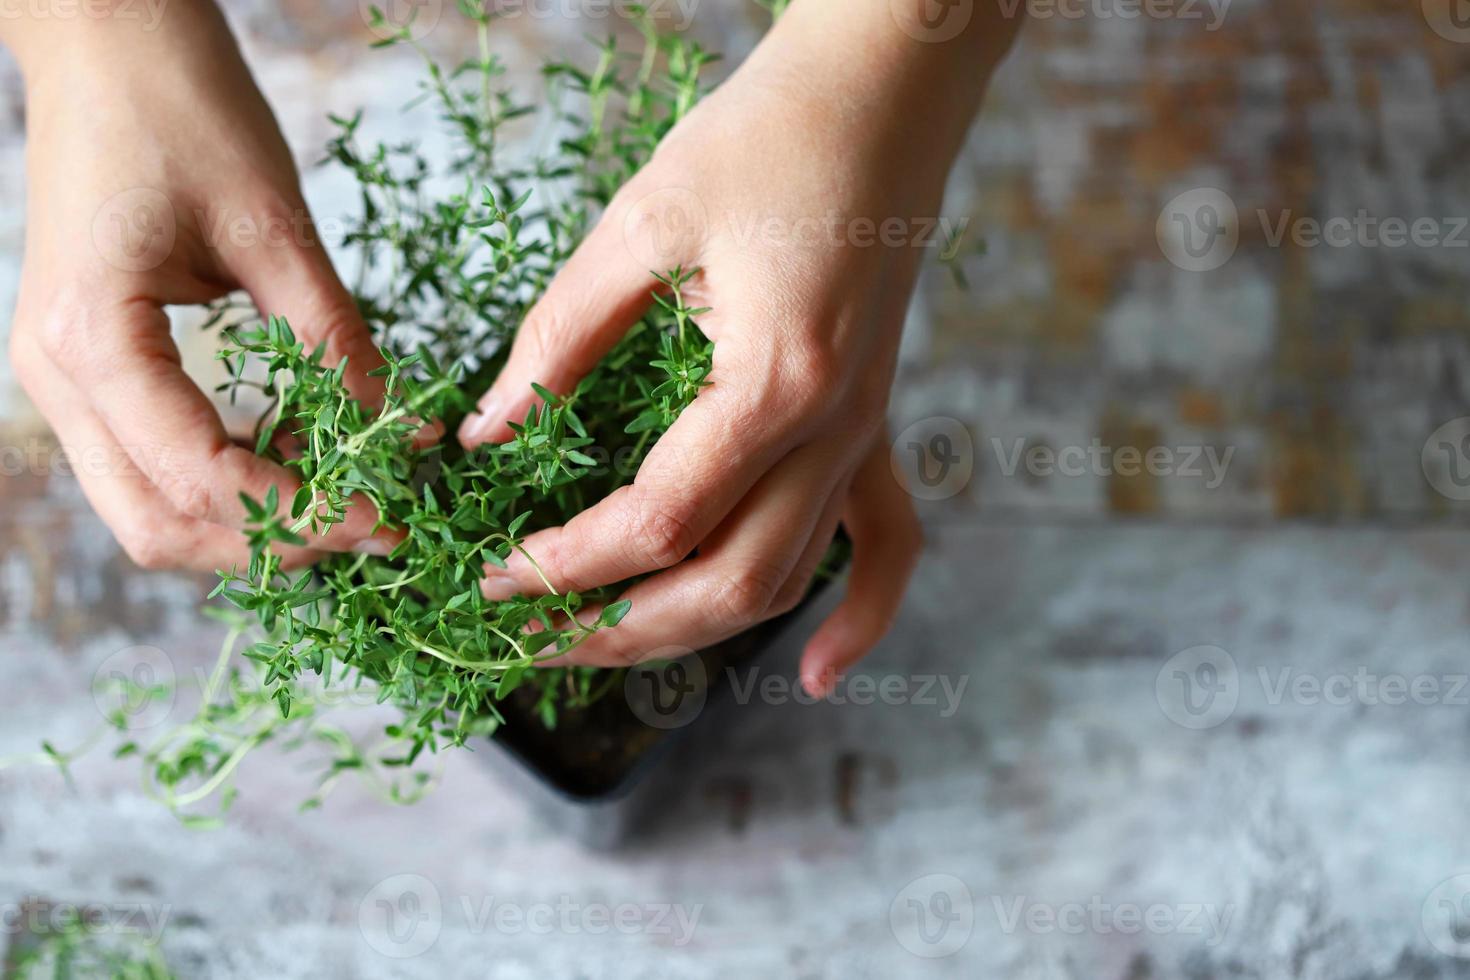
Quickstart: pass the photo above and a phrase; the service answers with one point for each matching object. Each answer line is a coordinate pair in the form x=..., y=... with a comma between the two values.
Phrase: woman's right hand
x=157, y=176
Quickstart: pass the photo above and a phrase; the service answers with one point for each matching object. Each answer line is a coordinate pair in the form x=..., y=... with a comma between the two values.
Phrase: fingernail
x=477, y=424
x=497, y=586
x=819, y=685
x=377, y=547
x=470, y=427
x=428, y=433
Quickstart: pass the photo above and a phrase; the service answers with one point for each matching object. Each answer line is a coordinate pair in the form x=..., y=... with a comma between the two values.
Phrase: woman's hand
x=158, y=176
x=806, y=189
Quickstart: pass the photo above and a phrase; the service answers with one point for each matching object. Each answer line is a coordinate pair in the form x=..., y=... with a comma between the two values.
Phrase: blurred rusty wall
x=1317, y=372
x=1325, y=367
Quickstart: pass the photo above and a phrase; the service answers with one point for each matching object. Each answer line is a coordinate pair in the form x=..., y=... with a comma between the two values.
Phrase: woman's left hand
x=807, y=191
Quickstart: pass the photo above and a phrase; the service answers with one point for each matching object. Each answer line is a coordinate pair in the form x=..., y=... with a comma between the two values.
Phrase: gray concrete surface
x=1057, y=818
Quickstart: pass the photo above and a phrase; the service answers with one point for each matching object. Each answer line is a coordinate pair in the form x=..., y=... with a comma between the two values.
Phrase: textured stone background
x=1320, y=837
x=1322, y=830
x=1323, y=369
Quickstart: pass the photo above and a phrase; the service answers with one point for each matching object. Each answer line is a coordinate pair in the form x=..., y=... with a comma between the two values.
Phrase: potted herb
x=452, y=255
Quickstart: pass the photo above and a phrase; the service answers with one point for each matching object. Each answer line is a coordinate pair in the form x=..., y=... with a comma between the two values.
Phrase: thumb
x=591, y=303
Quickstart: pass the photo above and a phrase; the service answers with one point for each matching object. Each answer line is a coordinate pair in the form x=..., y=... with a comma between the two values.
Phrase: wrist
x=108, y=38
x=884, y=67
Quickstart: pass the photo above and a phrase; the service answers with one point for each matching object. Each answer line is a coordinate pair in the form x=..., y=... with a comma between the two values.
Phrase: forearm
x=916, y=70
x=181, y=72
x=107, y=36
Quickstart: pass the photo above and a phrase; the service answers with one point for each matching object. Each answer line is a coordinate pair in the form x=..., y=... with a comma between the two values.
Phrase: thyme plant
x=452, y=255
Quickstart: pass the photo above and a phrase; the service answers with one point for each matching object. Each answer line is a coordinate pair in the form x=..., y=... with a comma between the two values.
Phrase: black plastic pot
x=597, y=776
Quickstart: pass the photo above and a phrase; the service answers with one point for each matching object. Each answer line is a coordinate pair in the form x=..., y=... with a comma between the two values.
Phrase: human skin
x=112, y=108
x=849, y=107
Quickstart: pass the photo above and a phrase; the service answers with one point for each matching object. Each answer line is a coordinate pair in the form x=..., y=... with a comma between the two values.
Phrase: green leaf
x=510, y=680
x=613, y=614
x=300, y=502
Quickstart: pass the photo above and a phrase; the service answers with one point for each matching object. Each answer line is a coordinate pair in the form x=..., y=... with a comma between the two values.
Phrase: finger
x=591, y=303
x=290, y=275
x=153, y=534
x=800, y=582
x=683, y=491
x=736, y=579
x=122, y=357
x=887, y=540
